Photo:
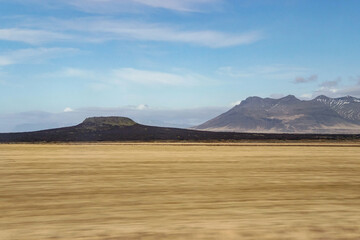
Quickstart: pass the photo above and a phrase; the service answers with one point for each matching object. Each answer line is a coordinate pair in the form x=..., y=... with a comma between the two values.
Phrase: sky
x=169, y=63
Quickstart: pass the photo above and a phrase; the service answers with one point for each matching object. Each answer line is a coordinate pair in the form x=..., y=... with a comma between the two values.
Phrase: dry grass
x=169, y=191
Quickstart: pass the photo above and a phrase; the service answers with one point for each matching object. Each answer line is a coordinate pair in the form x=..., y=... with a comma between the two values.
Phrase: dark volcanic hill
x=124, y=129
x=290, y=115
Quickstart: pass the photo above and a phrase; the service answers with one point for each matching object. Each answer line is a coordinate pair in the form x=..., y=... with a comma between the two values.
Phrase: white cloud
x=142, y=107
x=78, y=73
x=116, y=6
x=68, y=110
x=161, y=33
x=100, y=80
x=151, y=77
x=31, y=36
x=276, y=71
x=95, y=29
x=75, y=73
x=233, y=104
x=33, y=55
x=5, y=61
x=306, y=96
x=177, y=5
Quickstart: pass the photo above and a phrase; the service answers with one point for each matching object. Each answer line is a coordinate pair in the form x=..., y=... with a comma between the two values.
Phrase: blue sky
x=65, y=56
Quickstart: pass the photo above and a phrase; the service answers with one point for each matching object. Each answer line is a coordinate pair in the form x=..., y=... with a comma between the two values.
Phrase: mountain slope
x=124, y=129
x=290, y=115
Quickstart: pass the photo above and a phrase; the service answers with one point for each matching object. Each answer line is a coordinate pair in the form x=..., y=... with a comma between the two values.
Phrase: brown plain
x=180, y=191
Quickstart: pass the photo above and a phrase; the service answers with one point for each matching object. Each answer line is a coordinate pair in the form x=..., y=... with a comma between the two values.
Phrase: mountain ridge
x=290, y=115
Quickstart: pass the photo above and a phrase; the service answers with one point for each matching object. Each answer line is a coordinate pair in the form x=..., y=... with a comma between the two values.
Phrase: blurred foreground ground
x=179, y=191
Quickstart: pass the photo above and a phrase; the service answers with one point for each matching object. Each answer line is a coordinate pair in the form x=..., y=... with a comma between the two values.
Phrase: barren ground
x=180, y=191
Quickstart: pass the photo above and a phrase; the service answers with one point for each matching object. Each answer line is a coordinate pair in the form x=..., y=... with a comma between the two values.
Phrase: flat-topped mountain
x=106, y=122
x=117, y=129
x=290, y=115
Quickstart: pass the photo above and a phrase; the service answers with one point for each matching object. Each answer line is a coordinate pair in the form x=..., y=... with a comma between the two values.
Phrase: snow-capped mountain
x=348, y=107
x=290, y=115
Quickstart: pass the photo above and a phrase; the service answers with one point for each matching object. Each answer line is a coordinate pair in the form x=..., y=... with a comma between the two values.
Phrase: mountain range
x=290, y=115
x=255, y=118
x=120, y=129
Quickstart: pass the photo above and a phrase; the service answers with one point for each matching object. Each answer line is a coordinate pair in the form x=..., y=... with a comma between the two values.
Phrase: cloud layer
x=152, y=77
x=31, y=36
x=119, y=6
x=119, y=76
x=275, y=71
x=33, y=55
x=96, y=29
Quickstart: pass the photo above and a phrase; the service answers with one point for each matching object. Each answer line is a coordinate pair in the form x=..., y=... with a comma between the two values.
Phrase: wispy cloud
x=5, y=61
x=120, y=6
x=163, y=33
x=33, y=55
x=101, y=79
x=77, y=73
x=233, y=104
x=276, y=71
x=309, y=79
x=142, y=107
x=153, y=77
x=306, y=96
x=31, y=36
x=178, y=5
x=96, y=29
x=68, y=109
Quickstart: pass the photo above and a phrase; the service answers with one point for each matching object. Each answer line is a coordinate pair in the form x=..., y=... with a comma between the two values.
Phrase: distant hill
x=119, y=129
x=290, y=115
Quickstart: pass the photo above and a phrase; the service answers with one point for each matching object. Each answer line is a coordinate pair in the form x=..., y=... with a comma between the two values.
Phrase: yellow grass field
x=180, y=191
